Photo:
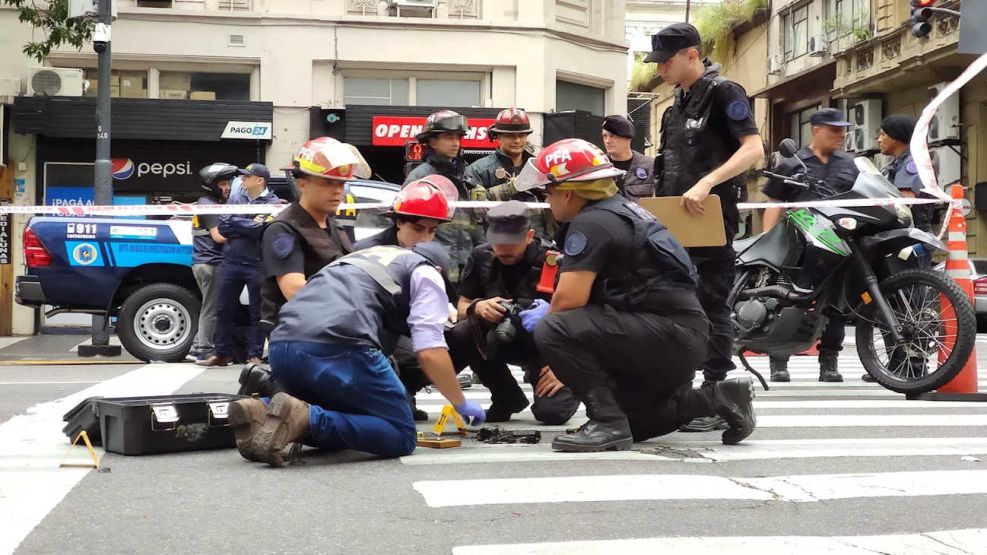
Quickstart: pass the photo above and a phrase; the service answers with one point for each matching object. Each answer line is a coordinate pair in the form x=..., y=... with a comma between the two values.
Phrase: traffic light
x=921, y=14
x=414, y=152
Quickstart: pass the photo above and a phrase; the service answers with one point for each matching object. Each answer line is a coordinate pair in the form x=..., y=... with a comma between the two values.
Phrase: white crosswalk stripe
x=803, y=420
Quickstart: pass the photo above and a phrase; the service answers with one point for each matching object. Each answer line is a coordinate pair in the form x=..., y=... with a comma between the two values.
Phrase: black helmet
x=214, y=173
x=443, y=121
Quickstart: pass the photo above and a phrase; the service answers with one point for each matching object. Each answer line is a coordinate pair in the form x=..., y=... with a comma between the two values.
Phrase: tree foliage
x=716, y=23
x=51, y=18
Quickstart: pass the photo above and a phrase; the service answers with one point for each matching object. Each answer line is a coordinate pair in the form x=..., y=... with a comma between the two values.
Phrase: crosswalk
x=877, y=448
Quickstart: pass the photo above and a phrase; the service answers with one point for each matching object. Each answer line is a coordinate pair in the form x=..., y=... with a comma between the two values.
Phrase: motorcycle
x=915, y=328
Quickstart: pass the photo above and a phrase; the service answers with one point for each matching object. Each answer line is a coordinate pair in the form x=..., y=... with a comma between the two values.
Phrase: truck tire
x=158, y=322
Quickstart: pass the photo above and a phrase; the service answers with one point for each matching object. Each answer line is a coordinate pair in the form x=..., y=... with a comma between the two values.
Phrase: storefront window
x=123, y=84
x=375, y=92
x=445, y=92
x=572, y=96
x=203, y=86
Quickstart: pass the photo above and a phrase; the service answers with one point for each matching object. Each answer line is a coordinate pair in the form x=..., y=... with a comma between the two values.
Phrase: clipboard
x=691, y=231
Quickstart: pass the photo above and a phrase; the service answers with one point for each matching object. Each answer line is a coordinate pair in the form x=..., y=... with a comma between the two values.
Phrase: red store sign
x=399, y=130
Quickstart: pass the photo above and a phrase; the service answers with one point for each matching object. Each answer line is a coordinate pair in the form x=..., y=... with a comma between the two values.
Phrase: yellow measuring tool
x=436, y=438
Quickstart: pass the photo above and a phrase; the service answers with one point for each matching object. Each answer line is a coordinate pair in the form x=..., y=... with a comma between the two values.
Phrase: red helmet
x=329, y=158
x=511, y=120
x=566, y=160
x=423, y=198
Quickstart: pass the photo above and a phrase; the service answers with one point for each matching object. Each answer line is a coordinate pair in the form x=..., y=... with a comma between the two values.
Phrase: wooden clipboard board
x=691, y=231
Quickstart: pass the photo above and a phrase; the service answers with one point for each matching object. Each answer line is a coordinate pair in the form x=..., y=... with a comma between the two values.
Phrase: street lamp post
x=103, y=185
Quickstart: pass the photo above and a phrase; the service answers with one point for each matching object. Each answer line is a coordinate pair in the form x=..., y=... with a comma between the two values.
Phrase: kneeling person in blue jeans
x=328, y=353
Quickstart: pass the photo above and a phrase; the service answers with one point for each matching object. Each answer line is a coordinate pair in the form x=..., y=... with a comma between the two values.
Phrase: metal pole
x=688, y=5
x=103, y=184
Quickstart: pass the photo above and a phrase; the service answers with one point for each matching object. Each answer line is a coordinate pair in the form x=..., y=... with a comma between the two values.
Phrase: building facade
x=244, y=80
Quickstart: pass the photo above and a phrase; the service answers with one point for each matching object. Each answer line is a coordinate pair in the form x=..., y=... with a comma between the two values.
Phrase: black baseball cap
x=671, y=39
x=508, y=223
x=258, y=169
x=829, y=116
x=621, y=126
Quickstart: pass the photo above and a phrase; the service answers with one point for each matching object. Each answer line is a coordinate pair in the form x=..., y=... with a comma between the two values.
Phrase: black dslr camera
x=506, y=330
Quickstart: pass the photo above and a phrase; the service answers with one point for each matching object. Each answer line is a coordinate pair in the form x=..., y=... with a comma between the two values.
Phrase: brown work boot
x=214, y=360
x=287, y=421
x=246, y=417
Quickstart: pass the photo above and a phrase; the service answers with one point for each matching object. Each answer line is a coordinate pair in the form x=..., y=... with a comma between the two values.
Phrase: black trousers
x=497, y=377
x=647, y=360
x=716, y=268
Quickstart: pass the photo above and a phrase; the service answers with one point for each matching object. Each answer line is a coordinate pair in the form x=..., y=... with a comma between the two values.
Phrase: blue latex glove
x=472, y=412
x=533, y=315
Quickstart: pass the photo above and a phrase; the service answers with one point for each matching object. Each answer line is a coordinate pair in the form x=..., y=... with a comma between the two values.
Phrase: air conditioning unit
x=55, y=81
x=945, y=125
x=775, y=64
x=818, y=46
x=412, y=3
x=947, y=164
x=865, y=115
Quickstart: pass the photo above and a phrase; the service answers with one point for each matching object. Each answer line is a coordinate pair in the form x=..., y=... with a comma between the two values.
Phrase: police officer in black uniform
x=825, y=159
x=305, y=236
x=708, y=140
x=625, y=329
x=894, y=139
x=441, y=137
x=511, y=267
x=638, y=180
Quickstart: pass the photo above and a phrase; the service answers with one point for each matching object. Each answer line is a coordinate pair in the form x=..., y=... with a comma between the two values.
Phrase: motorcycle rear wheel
x=939, y=328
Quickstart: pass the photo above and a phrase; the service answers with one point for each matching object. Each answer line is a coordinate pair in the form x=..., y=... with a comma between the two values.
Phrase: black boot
x=418, y=414
x=828, y=367
x=868, y=378
x=256, y=379
x=734, y=401
x=779, y=369
x=606, y=429
x=705, y=423
x=500, y=411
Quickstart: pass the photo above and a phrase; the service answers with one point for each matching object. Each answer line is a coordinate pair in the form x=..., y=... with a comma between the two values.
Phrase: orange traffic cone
x=958, y=268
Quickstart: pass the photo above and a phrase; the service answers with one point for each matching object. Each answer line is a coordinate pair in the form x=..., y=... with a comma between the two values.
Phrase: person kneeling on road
x=416, y=213
x=502, y=276
x=624, y=329
x=328, y=353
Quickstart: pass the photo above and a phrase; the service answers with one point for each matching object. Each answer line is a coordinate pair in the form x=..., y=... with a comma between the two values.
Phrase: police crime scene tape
x=178, y=210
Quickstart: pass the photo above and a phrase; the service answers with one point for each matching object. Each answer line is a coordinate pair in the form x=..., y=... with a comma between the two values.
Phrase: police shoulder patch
x=739, y=110
x=911, y=168
x=575, y=243
x=283, y=245
x=641, y=173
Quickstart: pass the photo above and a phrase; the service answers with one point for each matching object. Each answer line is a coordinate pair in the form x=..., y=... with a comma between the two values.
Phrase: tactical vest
x=318, y=248
x=690, y=149
x=488, y=270
x=363, y=298
x=659, y=277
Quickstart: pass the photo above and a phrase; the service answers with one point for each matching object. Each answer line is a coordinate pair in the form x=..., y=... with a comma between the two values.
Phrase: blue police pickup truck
x=140, y=271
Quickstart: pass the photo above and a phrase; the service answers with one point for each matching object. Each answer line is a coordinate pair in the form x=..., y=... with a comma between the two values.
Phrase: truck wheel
x=158, y=322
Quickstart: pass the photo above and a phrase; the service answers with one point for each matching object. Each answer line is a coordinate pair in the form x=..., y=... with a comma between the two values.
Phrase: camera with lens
x=506, y=330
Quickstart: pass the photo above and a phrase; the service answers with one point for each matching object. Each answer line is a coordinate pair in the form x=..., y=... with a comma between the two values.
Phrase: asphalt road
x=832, y=468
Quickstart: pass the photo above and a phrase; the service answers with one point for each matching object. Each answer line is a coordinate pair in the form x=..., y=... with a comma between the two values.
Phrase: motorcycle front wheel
x=939, y=328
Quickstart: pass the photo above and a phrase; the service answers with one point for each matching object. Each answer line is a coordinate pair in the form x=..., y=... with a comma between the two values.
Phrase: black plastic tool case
x=156, y=424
